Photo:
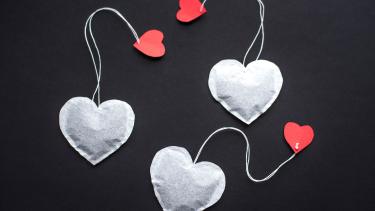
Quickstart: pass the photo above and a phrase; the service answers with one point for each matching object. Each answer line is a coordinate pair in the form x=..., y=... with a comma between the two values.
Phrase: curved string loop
x=260, y=30
x=98, y=64
x=247, y=157
x=262, y=9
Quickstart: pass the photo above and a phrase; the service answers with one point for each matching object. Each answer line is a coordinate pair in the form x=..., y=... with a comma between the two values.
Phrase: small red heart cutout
x=151, y=43
x=298, y=137
x=190, y=10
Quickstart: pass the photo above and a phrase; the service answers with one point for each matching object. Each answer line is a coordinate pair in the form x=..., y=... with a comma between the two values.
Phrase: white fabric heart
x=96, y=132
x=245, y=92
x=181, y=185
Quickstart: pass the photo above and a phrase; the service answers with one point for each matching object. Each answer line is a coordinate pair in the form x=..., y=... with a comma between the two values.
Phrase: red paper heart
x=189, y=10
x=150, y=43
x=298, y=137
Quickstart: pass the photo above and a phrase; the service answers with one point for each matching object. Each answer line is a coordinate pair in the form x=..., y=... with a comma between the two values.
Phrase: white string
x=260, y=29
x=247, y=154
x=201, y=9
x=98, y=67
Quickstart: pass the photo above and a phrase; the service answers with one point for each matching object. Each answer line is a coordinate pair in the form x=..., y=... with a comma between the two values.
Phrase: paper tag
x=151, y=43
x=190, y=10
x=298, y=137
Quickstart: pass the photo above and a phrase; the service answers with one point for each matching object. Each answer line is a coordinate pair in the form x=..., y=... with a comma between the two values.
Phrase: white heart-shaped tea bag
x=181, y=185
x=246, y=92
x=96, y=131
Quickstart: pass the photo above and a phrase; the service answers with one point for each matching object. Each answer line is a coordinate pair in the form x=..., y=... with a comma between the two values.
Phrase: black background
x=325, y=50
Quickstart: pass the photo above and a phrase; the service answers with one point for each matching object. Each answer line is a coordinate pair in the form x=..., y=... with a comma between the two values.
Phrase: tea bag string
x=98, y=64
x=260, y=30
x=247, y=157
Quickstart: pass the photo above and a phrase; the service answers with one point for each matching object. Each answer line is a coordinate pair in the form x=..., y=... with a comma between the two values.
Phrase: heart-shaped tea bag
x=96, y=131
x=246, y=92
x=183, y=184
x=180, y=184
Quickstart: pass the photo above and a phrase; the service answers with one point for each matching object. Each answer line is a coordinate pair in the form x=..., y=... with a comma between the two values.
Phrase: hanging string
x=260, y=30
x=247, y=157
x=201, y=8
x=98, y=65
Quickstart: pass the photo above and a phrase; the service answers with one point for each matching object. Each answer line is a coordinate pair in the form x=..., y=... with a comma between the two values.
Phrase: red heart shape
x=150, y=43
x=298, y=137
x=190, y=10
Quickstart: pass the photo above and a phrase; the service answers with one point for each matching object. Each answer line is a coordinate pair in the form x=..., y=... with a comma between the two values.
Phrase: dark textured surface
x=324, y=49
